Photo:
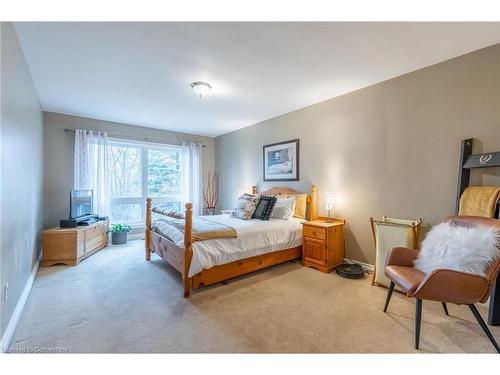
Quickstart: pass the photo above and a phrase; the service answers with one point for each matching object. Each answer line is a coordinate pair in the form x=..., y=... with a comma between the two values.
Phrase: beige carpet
x=115, y=301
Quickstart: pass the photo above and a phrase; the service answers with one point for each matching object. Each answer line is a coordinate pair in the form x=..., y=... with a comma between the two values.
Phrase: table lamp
x=329, y=205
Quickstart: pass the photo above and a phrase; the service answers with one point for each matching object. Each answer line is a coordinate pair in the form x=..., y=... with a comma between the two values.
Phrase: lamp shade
x=329, y=200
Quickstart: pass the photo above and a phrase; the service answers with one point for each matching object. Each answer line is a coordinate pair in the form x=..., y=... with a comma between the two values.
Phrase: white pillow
x=284, y=208
x=460, y=248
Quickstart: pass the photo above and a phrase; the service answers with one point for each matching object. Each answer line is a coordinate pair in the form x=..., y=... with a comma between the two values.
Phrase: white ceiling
x=139, y=73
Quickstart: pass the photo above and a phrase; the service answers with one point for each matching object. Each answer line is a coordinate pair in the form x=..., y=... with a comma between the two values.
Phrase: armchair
x=441, y=285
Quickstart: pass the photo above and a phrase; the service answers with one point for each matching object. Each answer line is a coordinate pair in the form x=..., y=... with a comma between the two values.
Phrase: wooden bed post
x=188, y=250
x=147, y=236
x=254, y=189
x=312, y=207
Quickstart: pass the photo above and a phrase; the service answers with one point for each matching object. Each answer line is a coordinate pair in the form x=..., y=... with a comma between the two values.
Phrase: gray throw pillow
x=284, y=208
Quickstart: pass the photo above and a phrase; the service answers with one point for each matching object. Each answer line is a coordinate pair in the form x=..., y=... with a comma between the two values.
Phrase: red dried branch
x=217, y=188
x=211, y=191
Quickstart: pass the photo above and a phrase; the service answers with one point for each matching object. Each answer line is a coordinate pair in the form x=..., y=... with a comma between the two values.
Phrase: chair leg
x=389, y=295
x=484, y=326
x=418, y=321
x=445, y=308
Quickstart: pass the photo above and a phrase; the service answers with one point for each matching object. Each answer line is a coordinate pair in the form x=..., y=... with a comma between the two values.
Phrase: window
x=138, y=170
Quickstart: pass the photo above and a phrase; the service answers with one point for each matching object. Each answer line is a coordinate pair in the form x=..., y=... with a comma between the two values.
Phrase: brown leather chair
x=441, y=285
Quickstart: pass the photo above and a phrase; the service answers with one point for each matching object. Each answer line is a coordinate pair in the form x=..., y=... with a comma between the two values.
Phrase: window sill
x=136, y=227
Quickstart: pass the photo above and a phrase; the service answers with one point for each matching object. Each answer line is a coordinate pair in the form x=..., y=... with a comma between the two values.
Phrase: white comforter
x=255, y=237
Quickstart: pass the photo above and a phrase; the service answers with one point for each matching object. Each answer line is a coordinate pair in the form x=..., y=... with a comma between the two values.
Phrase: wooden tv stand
x=71, y=245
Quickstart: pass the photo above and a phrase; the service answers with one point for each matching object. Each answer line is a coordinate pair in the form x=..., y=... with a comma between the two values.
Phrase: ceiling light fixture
x=201, y=88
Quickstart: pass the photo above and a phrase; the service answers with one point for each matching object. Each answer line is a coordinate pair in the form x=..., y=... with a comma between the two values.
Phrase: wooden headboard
x=311, y=197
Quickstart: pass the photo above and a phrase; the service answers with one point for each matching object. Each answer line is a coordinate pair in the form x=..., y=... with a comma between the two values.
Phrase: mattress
x=255, y=237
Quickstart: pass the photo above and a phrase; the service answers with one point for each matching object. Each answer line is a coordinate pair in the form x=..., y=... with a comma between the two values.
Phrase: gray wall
x=21, y=171
x=391, y=148
x=59, y=155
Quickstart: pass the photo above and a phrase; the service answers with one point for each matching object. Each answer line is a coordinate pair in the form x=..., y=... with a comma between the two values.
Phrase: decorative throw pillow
x=245, y=206
x=300, y=204
x=284, y=208
x=264, y=207
x=460, y=248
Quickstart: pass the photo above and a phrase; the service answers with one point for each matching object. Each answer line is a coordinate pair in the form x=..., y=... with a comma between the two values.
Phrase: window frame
x=144, y=147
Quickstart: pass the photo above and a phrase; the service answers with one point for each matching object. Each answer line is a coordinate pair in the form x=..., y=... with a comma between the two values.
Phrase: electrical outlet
x=6, y=292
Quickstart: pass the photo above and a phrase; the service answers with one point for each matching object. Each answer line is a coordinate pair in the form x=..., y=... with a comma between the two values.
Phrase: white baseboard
x=367, y=267
x=16, y=315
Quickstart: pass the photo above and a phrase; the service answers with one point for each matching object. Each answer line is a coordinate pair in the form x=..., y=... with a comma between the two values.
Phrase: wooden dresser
x=323, y=244
x=71, y=245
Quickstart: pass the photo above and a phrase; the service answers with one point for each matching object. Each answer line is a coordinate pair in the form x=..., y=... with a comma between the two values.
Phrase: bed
x=259, y=244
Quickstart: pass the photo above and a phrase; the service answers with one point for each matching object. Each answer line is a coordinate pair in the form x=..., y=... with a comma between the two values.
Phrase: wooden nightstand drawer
x=315, y=232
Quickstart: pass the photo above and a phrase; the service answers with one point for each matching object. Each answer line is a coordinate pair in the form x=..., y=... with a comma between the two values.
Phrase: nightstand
x=323, y=244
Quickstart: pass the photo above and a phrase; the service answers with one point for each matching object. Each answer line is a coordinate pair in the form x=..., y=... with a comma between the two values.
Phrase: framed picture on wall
x=281, y=161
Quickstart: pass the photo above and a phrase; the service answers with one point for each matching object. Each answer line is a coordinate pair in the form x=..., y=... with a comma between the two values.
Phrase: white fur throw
x=460, y=248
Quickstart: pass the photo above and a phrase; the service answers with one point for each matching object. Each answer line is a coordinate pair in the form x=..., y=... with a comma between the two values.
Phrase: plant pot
x=209, y=211
x=119, y=238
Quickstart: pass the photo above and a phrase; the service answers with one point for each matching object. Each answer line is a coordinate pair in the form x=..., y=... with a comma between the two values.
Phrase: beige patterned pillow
x=300, y=204
x=245, y=206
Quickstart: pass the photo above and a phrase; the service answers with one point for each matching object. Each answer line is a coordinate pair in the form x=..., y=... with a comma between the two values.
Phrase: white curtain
x=91, y=169
x=192, y=176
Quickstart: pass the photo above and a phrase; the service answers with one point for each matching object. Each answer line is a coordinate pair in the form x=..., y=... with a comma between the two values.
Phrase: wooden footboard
x=168, y=251
x=179, y=258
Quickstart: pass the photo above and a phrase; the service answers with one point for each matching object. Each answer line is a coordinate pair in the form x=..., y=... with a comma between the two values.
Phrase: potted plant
x=211, y=192
x=119, y=233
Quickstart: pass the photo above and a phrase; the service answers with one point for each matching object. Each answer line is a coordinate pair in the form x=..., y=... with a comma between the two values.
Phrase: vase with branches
x=211, y=192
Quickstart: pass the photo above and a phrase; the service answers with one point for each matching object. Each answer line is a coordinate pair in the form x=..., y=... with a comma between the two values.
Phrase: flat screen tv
x=81, y=203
